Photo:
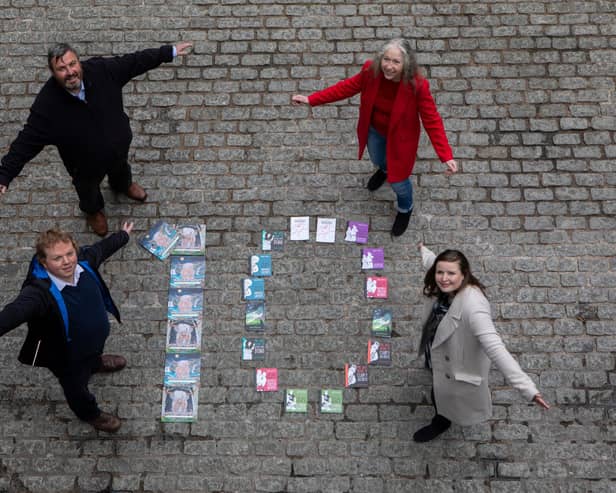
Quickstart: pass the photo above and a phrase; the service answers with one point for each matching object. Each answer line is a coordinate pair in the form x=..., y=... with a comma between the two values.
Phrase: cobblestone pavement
x=527, y=93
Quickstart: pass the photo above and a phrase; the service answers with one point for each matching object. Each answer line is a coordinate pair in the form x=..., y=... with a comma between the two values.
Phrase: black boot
x=376, y=180
x=439, y=425
x=401, y=223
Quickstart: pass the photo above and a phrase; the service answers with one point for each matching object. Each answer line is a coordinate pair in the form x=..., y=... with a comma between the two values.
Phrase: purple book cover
x=357, y=232
x=372, y=258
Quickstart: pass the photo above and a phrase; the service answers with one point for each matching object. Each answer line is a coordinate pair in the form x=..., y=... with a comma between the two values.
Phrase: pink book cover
x=267, y=379
x=376, y=287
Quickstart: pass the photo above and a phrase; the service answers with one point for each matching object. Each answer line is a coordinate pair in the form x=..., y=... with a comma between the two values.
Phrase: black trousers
x=74, y=381
x=438, y=420
x=88, y=188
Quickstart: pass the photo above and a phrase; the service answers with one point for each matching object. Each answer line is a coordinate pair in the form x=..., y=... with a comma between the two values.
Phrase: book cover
x=261, y=265
x=266, y=379
x=273, y=241
x=253, y=288
x=331, y=401
x=187, y=272
x=253, y=349
x=160, y=240
x=191, y=241
x=326, y=229
x=382, y=322
x=180, y=403
x=255, y=315
x=296, y=401
x=379, y=353
x=184, y=335
x=182, y=368
x=184, y=303
x=355, y=376
x=372, y=258
x=356, y=232
x=300, y=228
x=376, y=287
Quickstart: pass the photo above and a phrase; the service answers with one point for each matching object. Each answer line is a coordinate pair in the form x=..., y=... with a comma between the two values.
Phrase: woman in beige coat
x=460, y=342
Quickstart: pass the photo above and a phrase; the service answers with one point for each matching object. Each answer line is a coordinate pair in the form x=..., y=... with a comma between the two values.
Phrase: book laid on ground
x=331, y=401
x=266, y=379
x=379, y=353
x=184, y=335
x=296, y=401
x=253, y=349
x=326, y=230
x=356, y=232
x=372, y=258
x=253, y=289
x=191, y=241
x=261, y=265
x=160, y=239
x=185, y=303
x=355, y=375
x=300, y=228
x=273, y=241
x=180, y=403
x=382, y=322
x=255, y=315
x=376, y=287
x=187, y=271
x=182, y=368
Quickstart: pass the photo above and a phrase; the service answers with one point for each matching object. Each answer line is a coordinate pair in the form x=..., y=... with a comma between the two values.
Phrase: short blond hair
x=50, y=238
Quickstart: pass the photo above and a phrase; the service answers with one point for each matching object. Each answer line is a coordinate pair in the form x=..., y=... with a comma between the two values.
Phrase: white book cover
x=326, y=229
x=300, y=228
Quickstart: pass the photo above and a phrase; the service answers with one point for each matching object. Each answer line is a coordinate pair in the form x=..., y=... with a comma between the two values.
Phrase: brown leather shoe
x=136, y=192
x=98, y=223
x=111, y=362
x=106, y=422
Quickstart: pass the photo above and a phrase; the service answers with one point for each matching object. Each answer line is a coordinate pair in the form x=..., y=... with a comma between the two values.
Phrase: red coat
x=404, y=127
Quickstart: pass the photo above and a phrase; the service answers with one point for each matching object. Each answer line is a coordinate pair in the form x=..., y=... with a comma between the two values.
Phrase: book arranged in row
x=185, y=245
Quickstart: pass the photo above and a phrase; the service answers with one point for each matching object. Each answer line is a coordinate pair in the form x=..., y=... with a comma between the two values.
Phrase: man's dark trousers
x=74, y=381
x=88, y=188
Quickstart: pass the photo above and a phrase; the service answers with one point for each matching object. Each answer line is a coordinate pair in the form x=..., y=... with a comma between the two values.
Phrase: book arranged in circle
x=296, y=401
x=266, y=379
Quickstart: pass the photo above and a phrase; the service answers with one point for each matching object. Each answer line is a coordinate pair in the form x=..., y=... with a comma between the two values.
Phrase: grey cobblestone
x=526, y=91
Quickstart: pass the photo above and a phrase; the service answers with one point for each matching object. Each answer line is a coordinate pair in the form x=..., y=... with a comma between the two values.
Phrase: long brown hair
x=430, y=286
x=410, y=69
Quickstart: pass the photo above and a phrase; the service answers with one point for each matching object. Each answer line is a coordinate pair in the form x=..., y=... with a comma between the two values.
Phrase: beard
x=73, y=84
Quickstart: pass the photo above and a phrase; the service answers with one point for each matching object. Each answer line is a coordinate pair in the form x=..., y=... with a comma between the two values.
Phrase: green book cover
x=296, y=401
x=381, y=322
x=331, y=401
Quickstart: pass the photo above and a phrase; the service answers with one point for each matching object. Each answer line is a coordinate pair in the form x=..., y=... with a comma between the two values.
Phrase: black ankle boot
x=401, y=223
x=376, y=180
x=439, y=425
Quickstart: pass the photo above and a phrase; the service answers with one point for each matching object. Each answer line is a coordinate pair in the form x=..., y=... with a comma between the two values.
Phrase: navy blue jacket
x=90, y=136
x=40, y=305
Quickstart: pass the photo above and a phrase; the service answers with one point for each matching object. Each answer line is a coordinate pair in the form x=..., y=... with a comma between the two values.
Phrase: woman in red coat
x=394, y=97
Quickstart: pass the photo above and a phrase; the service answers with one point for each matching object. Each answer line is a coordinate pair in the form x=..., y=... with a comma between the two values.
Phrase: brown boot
x=136, y=192
x=106, y=422
x=111, y=363
x=98, y=223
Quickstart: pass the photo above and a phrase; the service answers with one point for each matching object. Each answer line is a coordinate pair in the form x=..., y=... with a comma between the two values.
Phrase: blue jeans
x=403, y=189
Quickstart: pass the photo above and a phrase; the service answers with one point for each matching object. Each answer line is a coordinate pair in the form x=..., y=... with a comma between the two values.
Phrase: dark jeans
x=74, y=381
x=88, y=188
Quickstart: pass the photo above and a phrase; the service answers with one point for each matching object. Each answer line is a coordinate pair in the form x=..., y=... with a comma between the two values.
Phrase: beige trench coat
x=465, y=344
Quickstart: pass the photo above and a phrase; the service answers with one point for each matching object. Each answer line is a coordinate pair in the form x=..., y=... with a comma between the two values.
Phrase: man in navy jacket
x=80, y=110
x=64, y=302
